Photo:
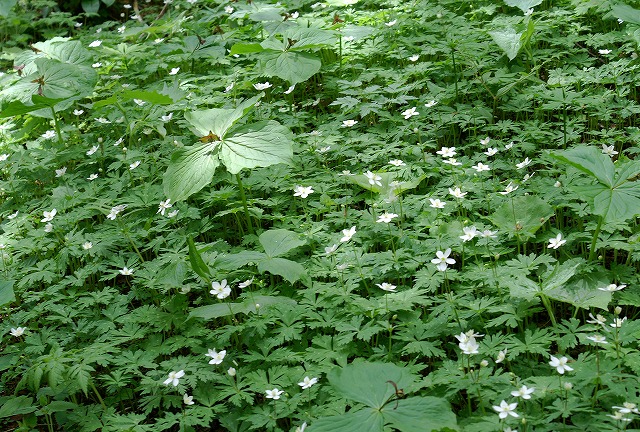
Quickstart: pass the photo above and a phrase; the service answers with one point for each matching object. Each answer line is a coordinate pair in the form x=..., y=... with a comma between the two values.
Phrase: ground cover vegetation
x=323, y=216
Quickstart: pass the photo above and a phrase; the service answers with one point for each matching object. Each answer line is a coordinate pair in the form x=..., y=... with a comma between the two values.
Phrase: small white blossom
x=92, y=150
x=87, y=245
x=220, y=289
x=126, y=271
x=303, y=191
x=386, y=286
x=431, y=103
x=262, y=86
x=410, y=113
x=245, y=284
x=524, y=163
x=436, y=203
x=216, y=357
x=134, y=165
x=348, y=234
x=174, y=378
x=187, y=400
x=598, y=319
x=18, y=331
x=274, y=394
x=560, y=364
x=485, y=141
x=414, y=58
x=167, y=118
x=95, y=43
x=391, y=23
x=506, y=409
x=447, y=152
x=349, y=123
x=613, y=287
x=604, y=51
x=481, y=167
x=48, y=215
x=501, y=356
x=524, y=392
x=228, y=9
x=386, y=217
x=164, y=206
x=598, y=339
x=49, y=134
x=397, y=162
x=442, y=259
x=556, y=242
x=510, y=188
x=491, y=151
x=609, y=150
x=469, y=233
x=457, y=192
x=60, y=172
x=307, y=382
x=374, y=179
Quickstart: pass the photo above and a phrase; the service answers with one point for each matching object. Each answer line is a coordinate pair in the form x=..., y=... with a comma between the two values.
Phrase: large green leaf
x=366, y=420
x=289, y=270
x=5, y=7
x=6, y=292
x=523, y=215
x=257, y=145
x=308, y=38
x=582, y=292
x=64, y=50
x=127, y=95
x=222, y=309
x=13, y=406
x=508, y=40
x=190, y=170
x=18, y=108
x=219, y=120
x=278, y=242
x=197, y=264
x=367, y=383
x=523, y=5
x=626, y=13
x=420, y=414
x=589, y=160
x=292, y=66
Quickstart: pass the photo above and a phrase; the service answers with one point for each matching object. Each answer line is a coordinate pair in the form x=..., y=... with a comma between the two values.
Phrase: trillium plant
x=322, y=216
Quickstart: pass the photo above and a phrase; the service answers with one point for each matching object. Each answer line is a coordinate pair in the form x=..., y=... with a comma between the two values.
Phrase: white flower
x=49, y=134
x=78, y=112
x=347, y=234
x=501, y=356
x=231, y=371
x=528, y=12
x=301, y=428
x=166, y=118
x=524, y=163
x=374, y=179
x=188, y=400
x=102, y=120
x=617, y=322
x=216, y=357
x=290, y=89
x=485, y=141
x=18, y=331
x=391, y=23
x=505, y=409
x=598, y=319
x=609, y=150
x=414, y=58
x=13, y=215
x=95, y=43
x=92, y=150
x=77, y=24
x=397, y=162
x=447, y=152
x=134, y=165
x=60, y=172
x=524, y=392
x=164, y=206
x=330, y=249
x=469, y=233
x=48, y=227
x=481, y=167
x=126, y=271
x=457, y=192
x=560, y=364
x=431, y=103
x=557, y=184
x=138, y=102
x=48, y=215
x=491, y=151
x=173, y=213
x=386, y=286
x=604, y=51
x=468, y=343
x=508, y=146
x=453, y=162
x=436, y=203
x=96, y=65
x=386, y=217
x=228, y=9
x=262, y=86
x=303, y=191
x=349, y=123
x=556, y=242
x=87, y=245
x=220, y=289
x=410, y=113
x=627, y=408
x=122, y=28
x=228, y=88
x=274, y=394
x=174, y=71
x=619, y=416
x=307, y=382
x=442, y=259
x=598, y=339
x=612, y=287
x=510, y=188
x=245, y=284
x=158, y=41
x=174, y=378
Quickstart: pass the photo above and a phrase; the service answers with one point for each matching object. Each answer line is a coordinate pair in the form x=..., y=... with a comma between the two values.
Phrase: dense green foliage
x=336, y=216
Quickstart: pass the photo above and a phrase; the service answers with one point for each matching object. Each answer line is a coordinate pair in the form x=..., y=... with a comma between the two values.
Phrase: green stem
x=95, y=390
x=594, y=240
x=56, y=125
x=243, y=197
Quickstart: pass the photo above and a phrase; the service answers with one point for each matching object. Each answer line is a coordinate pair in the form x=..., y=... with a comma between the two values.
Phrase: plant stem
x=594, y=240
x=243, y=197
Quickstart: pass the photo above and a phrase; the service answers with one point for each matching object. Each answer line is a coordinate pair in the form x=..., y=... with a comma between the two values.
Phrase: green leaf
x=508, y=40
x=291, y=66
x=290, y=270
x=366, y=420
x=626, y=13
x=248, y=306
x=127, y=95
x=16, y=406
x=5, y=6
x=367, y=382
x=420, y=414
x=258, y=145
x=197, y=264
x=219, y=120
x=64, y=50
x=390, y=187
x=57, y=406
x=309, y=38
x=6, y=292
x=523, y=5
x=91, y=6
x=245, y=48
x=522, y=215
x=18, y=108
x=279, y=241
x=190, y=170
x=589, y=160
x=582, y=292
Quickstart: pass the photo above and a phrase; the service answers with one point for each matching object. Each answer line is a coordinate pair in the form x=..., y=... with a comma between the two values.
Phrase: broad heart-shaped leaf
x=289, y=270
x=582, y=292
x=508, y=40
x=366, y=420
x=245, y=48
x=309, y=38
x=420, y=414
x=278, y=242
x=248, y=306
x=64, y=50
x=90, y=6
x=626, y=13
x=219, y=120
x=618, y=204
x=257, y=145
x=523, y=215
x=6, y=292
x=590, y=160
x=190, y=170
x=292, y=66
x=523, y=5
x=367, y=383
